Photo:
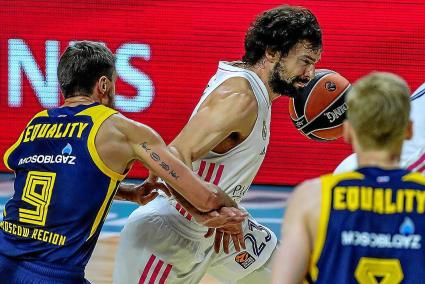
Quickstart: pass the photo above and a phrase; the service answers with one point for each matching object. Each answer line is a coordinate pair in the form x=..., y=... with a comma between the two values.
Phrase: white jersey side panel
x=235, y=170
x=413, y=152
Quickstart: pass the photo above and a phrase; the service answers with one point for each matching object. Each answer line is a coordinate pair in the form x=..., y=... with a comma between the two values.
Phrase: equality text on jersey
x=54, y=131
x=378, y=200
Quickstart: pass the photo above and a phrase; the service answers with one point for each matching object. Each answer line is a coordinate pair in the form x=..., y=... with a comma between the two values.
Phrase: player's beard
x=111, y=99
x=284, y=87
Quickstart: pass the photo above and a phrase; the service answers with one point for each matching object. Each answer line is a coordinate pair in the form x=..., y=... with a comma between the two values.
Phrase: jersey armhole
x=12, y=148
x=99, y=114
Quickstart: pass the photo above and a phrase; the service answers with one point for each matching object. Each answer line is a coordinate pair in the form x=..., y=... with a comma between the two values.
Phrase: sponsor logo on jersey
x=406, y=239
x=264, y=132
x=64, y=158
x=54, y=131
x=239, y=191
x=378, y=200
x=382, y=179
x=244, y=259
x=407, y=227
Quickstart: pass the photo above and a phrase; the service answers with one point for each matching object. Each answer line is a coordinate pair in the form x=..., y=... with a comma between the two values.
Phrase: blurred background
x=167, y=50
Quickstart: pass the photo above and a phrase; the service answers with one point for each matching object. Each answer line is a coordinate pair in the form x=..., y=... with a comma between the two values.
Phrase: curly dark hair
x=279, y=29
x=81, y=65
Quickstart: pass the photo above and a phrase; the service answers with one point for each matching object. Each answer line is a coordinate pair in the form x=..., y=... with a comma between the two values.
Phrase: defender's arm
x=146, y=145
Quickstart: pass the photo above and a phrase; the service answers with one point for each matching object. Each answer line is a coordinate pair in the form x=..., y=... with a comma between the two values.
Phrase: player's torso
x=235, y=169
x=372, y=226
x=61, y=190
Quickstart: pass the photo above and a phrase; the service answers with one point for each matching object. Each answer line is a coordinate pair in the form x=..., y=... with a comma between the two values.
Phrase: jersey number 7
x=369, y=270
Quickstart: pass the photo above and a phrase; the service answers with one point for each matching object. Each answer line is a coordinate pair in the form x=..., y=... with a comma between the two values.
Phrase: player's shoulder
x=235, y=92
x=306, y=199
x=308, y=193
x=309, y=186
x=118, y=125
x=125, y=127
x=235, y=86
x=42, y=113
x=312, y=188
x=120, y=121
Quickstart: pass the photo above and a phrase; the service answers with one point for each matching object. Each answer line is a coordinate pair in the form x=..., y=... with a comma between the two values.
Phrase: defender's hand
x=147, y=191
x=142, y=193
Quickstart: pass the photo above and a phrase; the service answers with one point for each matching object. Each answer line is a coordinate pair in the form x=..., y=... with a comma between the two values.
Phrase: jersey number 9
x=37, y=192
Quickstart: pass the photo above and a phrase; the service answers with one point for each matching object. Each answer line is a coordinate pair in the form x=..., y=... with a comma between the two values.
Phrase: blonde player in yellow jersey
x=366, y=225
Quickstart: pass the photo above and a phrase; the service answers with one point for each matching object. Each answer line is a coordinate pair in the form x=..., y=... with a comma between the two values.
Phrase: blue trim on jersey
x=418, y=94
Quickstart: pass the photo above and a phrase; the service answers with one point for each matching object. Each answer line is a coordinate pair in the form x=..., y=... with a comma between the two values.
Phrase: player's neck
x=381, y=159
x=78, y=100
x=264, y=76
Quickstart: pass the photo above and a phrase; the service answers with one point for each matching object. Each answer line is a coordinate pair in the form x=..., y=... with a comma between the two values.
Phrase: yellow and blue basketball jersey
x=63, y=190
x=371, y=228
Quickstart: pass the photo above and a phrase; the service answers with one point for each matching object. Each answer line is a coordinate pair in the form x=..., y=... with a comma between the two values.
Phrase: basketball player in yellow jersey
x=364, y=226
x=68, y=164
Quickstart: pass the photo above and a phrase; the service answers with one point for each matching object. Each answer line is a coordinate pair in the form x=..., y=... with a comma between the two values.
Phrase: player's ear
x=271, y=55
x=346, y=131
x=102, y=85
x=409, y=130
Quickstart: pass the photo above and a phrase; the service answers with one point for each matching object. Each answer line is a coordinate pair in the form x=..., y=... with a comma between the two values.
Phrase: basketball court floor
x=265, y=203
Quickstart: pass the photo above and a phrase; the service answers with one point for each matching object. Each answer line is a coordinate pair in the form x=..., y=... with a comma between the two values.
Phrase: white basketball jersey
x=235, y=170
x=413, y=151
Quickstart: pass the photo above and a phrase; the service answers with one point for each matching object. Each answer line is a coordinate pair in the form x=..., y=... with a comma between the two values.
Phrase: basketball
x=319, y=110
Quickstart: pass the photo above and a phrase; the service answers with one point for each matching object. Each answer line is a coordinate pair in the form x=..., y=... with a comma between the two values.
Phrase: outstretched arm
x=147, y=146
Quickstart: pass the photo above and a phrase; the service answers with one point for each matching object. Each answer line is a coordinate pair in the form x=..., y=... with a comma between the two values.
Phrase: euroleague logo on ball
x=330, y=86
x=319, y=110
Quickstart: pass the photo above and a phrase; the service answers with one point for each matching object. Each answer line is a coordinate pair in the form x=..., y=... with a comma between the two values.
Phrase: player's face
x=292, y=73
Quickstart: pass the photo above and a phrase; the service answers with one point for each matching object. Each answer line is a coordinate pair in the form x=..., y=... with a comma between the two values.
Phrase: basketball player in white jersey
x=224, y=142
x=413, y=151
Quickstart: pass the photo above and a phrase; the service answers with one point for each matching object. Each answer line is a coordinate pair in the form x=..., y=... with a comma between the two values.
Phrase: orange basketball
x=319, y=110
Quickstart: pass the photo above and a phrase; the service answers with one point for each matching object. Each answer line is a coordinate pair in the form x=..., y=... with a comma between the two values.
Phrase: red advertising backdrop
x=167, y=50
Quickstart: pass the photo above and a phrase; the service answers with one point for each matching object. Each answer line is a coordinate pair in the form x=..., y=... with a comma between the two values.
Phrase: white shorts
x=159, y=245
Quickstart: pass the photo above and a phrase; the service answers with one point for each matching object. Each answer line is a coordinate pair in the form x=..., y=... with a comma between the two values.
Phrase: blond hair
x=378, y=110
